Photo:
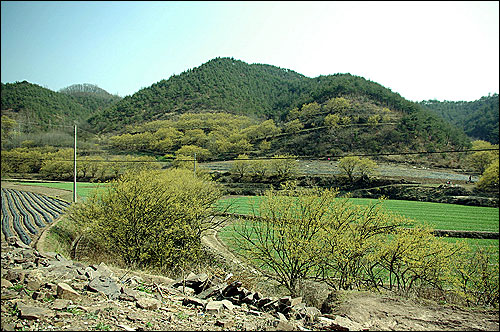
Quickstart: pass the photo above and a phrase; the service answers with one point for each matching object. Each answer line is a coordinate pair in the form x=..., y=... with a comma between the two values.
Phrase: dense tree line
x=57, y=164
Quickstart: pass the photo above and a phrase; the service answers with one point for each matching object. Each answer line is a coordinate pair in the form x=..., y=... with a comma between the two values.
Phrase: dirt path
x=211, y=239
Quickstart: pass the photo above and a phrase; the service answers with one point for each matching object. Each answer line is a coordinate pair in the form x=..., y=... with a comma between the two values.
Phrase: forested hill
x=478, y=119
x=330, y=114
x=90, y=96
x=221, y=84
x=235, y=87
x=36, y=108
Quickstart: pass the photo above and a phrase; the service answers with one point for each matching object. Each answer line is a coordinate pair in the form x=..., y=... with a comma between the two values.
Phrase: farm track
x=25, y=214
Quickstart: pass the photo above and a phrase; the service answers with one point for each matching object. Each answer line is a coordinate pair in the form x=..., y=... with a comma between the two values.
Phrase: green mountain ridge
x=90, y=96
x=36, y=108
x=331, y=114
x=233, y=86
x=478, y=119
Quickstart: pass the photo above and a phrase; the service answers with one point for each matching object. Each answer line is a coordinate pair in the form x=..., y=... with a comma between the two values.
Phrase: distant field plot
x=438, y=215
x=82, y=188
x=317, y=167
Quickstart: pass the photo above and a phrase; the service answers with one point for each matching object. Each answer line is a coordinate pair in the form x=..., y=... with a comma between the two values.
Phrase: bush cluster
x=312, y=234
x=151, y=219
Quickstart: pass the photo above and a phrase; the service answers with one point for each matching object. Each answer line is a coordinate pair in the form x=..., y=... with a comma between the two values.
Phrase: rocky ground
x=46, y=291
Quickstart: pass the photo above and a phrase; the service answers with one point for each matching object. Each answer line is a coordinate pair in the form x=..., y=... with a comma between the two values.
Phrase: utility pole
x=74, y=170
x=195, y=163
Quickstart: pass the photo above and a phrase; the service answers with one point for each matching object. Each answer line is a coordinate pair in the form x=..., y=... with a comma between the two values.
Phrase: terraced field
x=26, y=214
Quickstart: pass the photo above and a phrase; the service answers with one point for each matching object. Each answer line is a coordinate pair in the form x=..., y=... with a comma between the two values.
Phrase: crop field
x=437, y=215
x=24, y=214
x=83, y=189
x=325, y=167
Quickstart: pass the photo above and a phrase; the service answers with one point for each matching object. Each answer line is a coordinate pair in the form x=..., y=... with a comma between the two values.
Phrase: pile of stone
x=47, y=287
x=206, y=293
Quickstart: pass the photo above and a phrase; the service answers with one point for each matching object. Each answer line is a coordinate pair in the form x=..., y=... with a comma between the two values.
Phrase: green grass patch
x=489, y=245
x=83, y=189
x=437, y=215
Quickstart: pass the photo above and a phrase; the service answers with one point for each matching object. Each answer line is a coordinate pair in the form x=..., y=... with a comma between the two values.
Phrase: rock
x=6, y=283
x=186, y=290
x=38, y=295
x=347, y=323
x=60, y=304
x=257, y=296
x=228, y=304
x=225, y=324
x=64, y=291
x=9, y=294
x=286, y=300
x=8, y=327
x=212, y=291
x=254, y=312
x=282, y=317
x=198, y=282
x=15, y=276
x=104, y=285
x=104, y=270
x=127, y=294
x=232, y=289
x=34, y=313
x=214, y=306
x=248, y=299
x=295, y=301
x=298, y=310
x=271, y=306
x=285, y=326
x=193, y=301
x=60, y=258
x=50, y=286
x=33, y=285
x=126, y=327
x=311, y=313
x=64, y=315
x=148, y=303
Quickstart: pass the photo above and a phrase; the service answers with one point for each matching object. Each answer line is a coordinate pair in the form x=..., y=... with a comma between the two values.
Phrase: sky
x=422, y=50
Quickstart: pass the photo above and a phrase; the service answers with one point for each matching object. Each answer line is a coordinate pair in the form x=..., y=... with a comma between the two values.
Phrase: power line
x=52, y=125
x=259, y=158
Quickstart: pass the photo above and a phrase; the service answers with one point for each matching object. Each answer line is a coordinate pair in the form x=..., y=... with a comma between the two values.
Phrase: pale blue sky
x=422, y=50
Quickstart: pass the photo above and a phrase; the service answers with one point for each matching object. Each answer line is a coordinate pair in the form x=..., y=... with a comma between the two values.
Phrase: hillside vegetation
x=226, y=107
x=325, y=115
x=90, y=96
x=478, y=119
x=36, y=108
x=36, y=116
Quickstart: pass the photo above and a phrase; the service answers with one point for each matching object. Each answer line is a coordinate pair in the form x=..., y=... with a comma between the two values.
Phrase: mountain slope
x=38, y=108
x=478, y=119
x=268, y=92
x=222, y=84
x=233, y=86
x=90, y=96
